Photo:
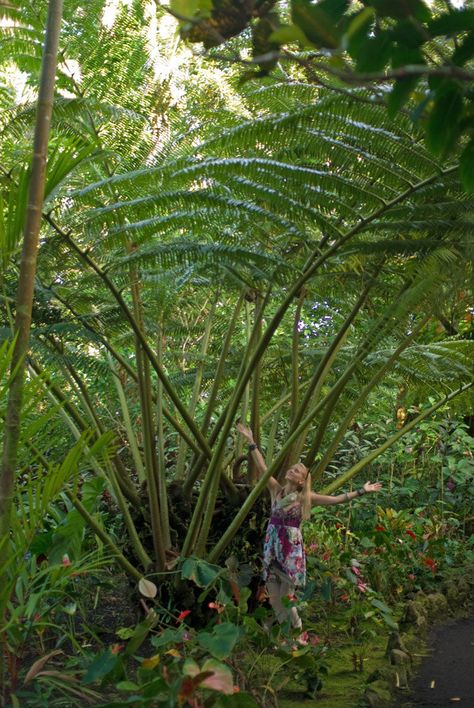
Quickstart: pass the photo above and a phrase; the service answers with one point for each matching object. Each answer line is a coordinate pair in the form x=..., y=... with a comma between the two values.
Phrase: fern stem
x=86, y=258
x=360, y=399
x=255, y=388
x=77, y=425
x=104, y=537
x=197, y=385
x=324, y=366
x=131, y=437
x=221, y=365
x=160, y=453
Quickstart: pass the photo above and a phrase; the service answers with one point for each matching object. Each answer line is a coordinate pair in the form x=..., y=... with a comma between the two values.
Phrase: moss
x=378, y=695
x=342, y=686
x=437, y=605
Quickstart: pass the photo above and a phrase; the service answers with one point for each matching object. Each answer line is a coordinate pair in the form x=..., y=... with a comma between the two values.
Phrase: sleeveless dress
x=283, y=549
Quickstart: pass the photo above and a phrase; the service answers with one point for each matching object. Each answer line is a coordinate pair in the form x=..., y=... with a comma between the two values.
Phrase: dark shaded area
x=446, y=678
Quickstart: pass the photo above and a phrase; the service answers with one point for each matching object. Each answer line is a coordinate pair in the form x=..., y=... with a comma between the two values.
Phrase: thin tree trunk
x=24, y=300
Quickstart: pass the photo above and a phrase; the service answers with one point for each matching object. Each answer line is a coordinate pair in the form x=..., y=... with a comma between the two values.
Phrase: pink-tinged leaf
x=221, y=679
x=147, y=588
x=39, y=663
x=213, y=675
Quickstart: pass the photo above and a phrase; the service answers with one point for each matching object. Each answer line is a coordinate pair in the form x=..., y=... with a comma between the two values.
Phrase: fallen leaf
x=39, y=663
x=147, y=588
x=432, y=684
x=59, y=674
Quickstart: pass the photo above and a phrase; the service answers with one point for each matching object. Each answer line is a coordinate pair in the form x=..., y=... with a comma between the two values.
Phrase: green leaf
x=191, y=8
x=125, y=632
x=128, y=686
x=91, y=492
x=403, y=88
x=200, y=571
x=403, y=55
x=466, y=167
x=316, y=23
x=389, y=621
x=452, y=22
x=374, y=53
x=401, y=8
x=103, y=664
x=357, y=31
x=400, y=94
x=334, y=9
x=288, y=34
x=380, y=605
x=326, y=589
x=443, y=124
x=222, y=640
x=409, y=33
x=169, y=636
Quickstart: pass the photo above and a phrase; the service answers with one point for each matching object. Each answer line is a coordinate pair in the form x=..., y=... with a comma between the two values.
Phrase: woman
x=284, y=562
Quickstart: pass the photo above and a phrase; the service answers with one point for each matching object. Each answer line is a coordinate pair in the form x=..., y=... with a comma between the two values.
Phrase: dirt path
x=446, y=677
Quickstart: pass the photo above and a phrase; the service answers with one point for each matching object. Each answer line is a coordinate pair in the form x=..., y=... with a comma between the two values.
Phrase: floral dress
x=283, y=549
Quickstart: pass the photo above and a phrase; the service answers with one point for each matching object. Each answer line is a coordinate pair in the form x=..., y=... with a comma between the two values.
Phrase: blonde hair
x=305, y=495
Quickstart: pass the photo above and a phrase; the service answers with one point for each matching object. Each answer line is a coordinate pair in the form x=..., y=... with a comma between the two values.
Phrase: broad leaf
x=374, y=52
x=222, y=640
x=443, y=124
x=102, y=664
x=200, y=571
x=315, y=22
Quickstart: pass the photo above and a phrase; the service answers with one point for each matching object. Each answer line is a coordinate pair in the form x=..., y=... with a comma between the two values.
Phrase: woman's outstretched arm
x=272, y=484
x=325, y=500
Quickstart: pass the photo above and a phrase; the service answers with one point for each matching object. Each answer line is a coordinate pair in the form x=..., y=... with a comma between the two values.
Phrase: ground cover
x=79, y=631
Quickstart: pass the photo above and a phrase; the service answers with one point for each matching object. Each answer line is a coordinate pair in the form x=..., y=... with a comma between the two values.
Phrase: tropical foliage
x=410, y=50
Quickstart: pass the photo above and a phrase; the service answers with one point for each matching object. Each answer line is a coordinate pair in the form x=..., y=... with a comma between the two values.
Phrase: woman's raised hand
x=245, y=431
x=369, y=487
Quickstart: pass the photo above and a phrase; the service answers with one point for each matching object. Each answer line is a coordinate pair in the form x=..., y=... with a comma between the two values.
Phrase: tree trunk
x=24, y=300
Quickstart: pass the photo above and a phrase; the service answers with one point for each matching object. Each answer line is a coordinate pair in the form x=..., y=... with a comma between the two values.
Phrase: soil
x=446, y=676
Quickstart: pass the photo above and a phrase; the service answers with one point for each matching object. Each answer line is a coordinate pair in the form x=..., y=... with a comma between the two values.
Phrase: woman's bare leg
x=279, y=587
